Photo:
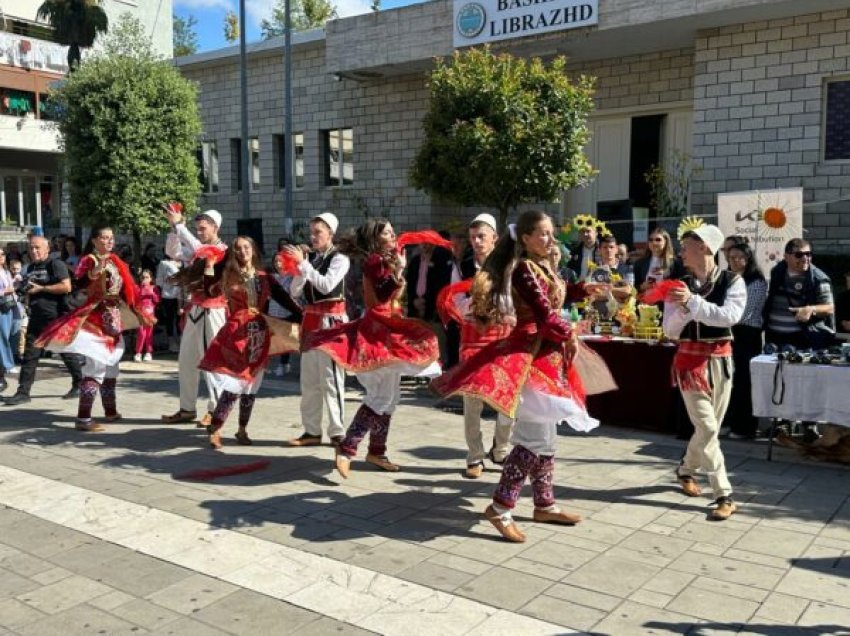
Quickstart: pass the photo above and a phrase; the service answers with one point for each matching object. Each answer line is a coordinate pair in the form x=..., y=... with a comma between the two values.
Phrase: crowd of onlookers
x=793, y=304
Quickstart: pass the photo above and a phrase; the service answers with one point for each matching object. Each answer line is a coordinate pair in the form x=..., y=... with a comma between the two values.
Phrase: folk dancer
x=701, y=314
x=380, y=347
x=473, y=338
x=237, y=357
x=529, y=375
x=204, y=315
x=321, y=281
x=95, y=329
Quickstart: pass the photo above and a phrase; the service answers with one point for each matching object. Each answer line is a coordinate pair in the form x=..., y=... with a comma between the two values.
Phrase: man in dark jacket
x=584, y=252
x=799, y=310
x=427, y=273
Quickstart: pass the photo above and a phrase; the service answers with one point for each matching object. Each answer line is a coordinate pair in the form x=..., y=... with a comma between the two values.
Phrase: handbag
x=7, y=303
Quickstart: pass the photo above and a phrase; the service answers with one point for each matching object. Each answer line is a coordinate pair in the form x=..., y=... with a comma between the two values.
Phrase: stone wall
x=385, y=114
x=758, y=116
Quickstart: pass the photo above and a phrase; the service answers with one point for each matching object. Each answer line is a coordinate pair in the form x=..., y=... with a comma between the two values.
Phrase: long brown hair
x=231, y=275
x=669, y=254
x=358, y=243
x=491, y=281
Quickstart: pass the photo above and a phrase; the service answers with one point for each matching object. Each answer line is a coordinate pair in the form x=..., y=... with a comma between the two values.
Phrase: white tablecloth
x=813, y=392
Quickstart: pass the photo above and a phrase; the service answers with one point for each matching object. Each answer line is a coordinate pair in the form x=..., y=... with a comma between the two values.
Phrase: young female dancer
x=381, y=346
x=94, y=330
x=529, y=374
x=238, y=355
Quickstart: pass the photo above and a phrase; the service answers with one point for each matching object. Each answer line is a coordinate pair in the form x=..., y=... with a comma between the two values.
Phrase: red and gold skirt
x=243, y=346
x=378, y=339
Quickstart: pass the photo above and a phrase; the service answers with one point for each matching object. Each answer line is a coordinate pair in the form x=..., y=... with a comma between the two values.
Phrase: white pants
x=98, y=370
x=383, y=389
x=200, y=329
x=472, y=408
x=706, y=413
x=322, y=385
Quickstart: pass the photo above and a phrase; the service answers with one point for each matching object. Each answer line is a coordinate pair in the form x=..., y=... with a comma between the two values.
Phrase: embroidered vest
x=696, y=331
x=312, y=294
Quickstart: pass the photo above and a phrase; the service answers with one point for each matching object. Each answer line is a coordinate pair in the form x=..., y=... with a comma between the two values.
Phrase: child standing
x=148, y=298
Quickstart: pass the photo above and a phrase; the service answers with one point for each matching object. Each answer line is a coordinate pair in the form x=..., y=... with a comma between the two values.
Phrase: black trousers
x=739, y=415
x=73, y=361
x=168, y=311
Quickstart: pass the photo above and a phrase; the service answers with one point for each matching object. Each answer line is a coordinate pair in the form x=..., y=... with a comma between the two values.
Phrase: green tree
x=129, y=124
x=306, y=14
x=501, y=131
x=231, y=26
x=184, y=36
x=76, y=24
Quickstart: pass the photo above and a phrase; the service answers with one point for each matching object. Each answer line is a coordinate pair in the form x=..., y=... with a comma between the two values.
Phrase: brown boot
x=180, y=417
x=115, y=417
x=474, y=471
x=306, y=440
x=556, y=516
x=508, y=530
x=89, y=427
x=342, y=464
x=689, y=486
x=382, y=462
x=725, y=508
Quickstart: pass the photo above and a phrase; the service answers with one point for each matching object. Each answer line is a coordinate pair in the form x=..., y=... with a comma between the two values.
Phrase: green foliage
x=184, y=37
x=306, y=14
x=501, y=131
x=130, y=124
x=670, y=185
x=76, y=24
x=231, y=26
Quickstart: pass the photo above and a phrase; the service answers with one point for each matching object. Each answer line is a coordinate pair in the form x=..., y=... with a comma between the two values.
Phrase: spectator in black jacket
x=427, y=273
x=659, y=261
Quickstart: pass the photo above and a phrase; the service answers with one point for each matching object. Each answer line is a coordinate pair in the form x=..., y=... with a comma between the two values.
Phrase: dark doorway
x=645, y=153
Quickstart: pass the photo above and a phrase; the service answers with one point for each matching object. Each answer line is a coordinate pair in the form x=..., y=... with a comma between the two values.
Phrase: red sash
x=690, y=364
x=315, y=313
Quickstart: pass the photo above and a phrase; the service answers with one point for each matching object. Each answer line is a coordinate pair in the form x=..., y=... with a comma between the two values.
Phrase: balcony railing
x=31, y=53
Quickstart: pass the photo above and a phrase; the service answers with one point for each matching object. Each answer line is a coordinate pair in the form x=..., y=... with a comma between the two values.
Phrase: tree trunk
x=73, y=57
x=137, y=250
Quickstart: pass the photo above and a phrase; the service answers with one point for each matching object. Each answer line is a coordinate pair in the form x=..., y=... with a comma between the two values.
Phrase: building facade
x=754, y=91
x=30, y=61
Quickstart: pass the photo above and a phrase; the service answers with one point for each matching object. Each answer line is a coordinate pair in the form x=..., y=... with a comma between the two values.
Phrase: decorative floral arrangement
x=689, y=224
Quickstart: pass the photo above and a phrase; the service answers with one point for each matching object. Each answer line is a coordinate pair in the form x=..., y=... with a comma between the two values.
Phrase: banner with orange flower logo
x=767, y=218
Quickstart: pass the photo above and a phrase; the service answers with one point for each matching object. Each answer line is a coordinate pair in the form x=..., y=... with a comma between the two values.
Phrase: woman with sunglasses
x=747, y=342
x=799, y=310
x=659, y=261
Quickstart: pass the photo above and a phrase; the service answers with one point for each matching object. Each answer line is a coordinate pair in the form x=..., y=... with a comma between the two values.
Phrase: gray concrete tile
x=391, y=557
x=65, y=594
x=585, y=597
x=564, y=613
x=726, y=569
x=825, y=618
x=246, y=612
x=782, y=608
x=780, y=543
x=597, y=575
x=325, y=626
x=711, y=606
x=145, y=614
x=634, y=618
x=14, y=614
x=504, y=588
x=12, y=584
x=188, y=627
x=829, y=588
x=436, y=576
x=82, y=619
x=191, y=594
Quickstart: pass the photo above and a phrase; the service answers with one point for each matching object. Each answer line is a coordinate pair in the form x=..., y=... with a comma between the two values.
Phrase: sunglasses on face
x=803, y=254
x=657, y=239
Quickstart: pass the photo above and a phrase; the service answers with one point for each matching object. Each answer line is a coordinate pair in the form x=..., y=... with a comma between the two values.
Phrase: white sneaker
x=137, y=357
x=148, y=357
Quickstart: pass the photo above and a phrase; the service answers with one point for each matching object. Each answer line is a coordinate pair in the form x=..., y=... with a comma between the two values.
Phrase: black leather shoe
x=18, y=398
x=73, y=394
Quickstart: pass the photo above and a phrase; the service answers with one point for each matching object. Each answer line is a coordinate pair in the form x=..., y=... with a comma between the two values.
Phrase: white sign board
x=480, y=21
x=768, y=218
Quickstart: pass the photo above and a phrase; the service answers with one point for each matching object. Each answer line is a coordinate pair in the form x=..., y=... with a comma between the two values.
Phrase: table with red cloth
x=646, y=397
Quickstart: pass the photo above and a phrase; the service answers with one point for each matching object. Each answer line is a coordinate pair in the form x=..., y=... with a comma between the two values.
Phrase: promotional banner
x=768, y=218
x=483, y=21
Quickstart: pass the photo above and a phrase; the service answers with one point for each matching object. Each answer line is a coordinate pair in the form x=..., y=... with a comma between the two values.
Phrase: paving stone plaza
x=98, y=534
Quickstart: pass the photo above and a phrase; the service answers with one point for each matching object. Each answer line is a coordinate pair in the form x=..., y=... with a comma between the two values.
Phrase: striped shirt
x=781, y=319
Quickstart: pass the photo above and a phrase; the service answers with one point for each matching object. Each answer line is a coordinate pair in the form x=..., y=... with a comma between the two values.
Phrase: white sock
x=552, y=508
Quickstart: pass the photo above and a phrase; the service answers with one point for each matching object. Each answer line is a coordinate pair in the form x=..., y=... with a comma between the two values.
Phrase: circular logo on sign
x=471, y=19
